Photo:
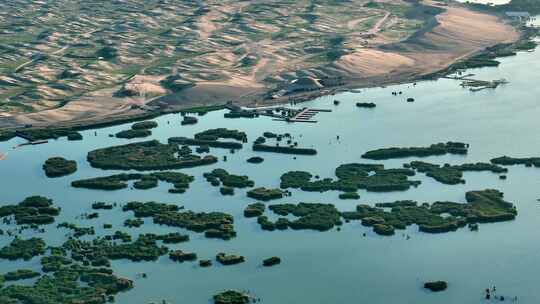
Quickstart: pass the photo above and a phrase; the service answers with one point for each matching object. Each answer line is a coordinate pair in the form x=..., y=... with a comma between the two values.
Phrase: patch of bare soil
x=92, y=108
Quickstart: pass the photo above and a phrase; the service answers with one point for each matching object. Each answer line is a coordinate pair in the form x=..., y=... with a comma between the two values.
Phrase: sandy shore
x=458, y=33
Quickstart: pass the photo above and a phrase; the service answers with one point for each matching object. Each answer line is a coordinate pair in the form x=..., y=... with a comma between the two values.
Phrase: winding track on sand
x=377, y=27
x=454, y=34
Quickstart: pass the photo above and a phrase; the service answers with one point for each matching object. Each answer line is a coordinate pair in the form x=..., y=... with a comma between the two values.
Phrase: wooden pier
x=303, y=115
x=281, y=113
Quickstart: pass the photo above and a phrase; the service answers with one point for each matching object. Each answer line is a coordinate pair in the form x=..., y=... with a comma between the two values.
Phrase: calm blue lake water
x=335, y=266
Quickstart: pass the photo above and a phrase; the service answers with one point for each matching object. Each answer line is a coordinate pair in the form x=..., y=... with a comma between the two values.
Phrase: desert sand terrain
x=239, y=51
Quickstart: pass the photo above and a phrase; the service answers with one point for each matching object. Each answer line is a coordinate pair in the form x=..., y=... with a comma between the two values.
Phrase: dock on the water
x=278, y=113
x=302, y=115
x=32, y=143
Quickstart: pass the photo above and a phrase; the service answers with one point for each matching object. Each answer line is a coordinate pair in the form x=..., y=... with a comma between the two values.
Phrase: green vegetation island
x=352, y=177
x=213, y=224
x=180, y=181
x=59, y=166
x=453, y=175
x=33, y=210
x=158, y=68
x=485, y=206
x=148, y=155
x=435, y=149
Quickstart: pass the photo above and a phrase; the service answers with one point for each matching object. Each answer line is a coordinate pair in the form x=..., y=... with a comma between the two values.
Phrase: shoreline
x=351, y=83
x=296, y=98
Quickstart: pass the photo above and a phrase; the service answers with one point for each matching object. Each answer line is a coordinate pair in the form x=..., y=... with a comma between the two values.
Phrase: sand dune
x=450, y=36
x=459, y=33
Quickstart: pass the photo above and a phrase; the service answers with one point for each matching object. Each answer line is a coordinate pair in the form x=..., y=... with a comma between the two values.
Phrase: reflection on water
x=335, y=266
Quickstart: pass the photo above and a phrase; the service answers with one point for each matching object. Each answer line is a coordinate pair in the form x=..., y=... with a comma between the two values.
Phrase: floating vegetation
x=74, y=136
x=119, y=235
x=179, y=180
x=436, y=286
x=102, y=205
x=205, y=263
x=214, y=224
x=366, y=105
x=56, y=261
x=20, y=274
x=129, y=134
x=241, y=114
x=180, y=256
x=272, y=261
x=210, y=138
x=321, y=217
x=148, y=155
x=254, y=210
x=138, y=130
x=189, y=120
x=226, y=190
x=349, y=195
x=452, y=175
x=69, y=284
x=481, y=167
x=445, y=174
x=149, y=209
x=77, y=231
x=383, y=229
x=510, y=161
x=284, y=149
x=145, y=248
x=225, y=259
x=481, y=207
x=144, y=125
x=352, y=177
x=231, y=297
x=33, y=210
x=265, y=194
x=133, y=223
x=204, y=142
x=203, y=149
x=229, y=180
x=215, y=134
x=435, y=149
x=265, y=223
x=23, y=249
x=59, y=166
x=255, y=160
x=173, y=238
